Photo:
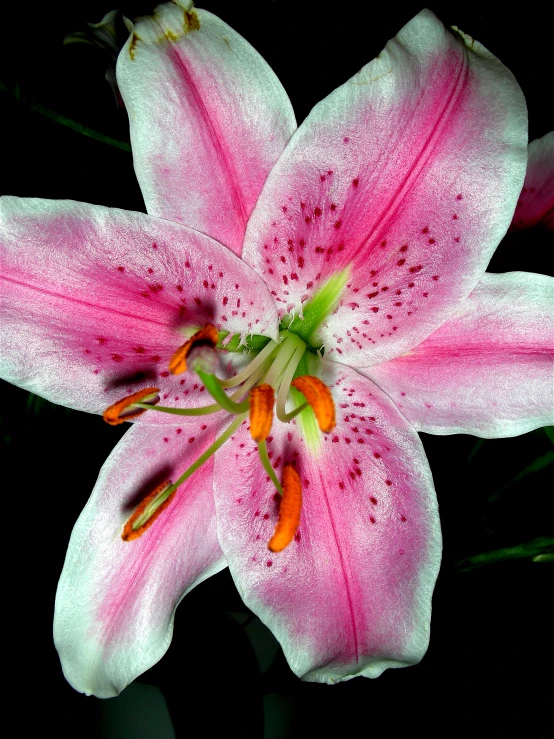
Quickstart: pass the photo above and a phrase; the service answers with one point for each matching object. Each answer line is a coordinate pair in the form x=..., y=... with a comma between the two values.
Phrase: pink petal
x=351, y=595
x=536, y=202
x=94, y=301
x=489, y=370
x=116, y=600
x=208, y=119
x=409, y=175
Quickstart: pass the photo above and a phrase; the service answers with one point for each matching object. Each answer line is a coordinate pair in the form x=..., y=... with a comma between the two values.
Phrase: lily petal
x=351, y=595
x=407, y=175
x=536, y=202
x=116, y=600
x=489, y=371
x=208, y=119
x=95, y=300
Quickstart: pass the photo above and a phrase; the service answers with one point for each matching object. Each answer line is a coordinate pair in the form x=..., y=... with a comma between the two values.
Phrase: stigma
x=263, y=386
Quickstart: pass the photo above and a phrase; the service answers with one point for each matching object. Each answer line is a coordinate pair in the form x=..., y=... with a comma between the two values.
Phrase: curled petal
x=95, y=301
x=208, y=119
x=116, y=599
x=536, y=201
x=408, y=176
x=489, y=371
x=351, y=594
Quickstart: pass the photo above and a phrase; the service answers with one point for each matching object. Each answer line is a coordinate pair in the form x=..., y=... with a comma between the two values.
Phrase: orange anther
x=289, y=511
x=207, y=336
x=122, y=410
x=128, y=533
x=261, y=411
x=319, y=397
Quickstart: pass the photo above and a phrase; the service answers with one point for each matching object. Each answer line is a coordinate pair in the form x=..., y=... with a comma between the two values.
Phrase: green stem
x=254, y=364
x=287, y=417
x=284, y=388
x=252, y=380
x=205, y=410
x=211, y=450
x=67, y=122
x=286, y=351
x=538, y=549
x=264, y=459
x=213, y=386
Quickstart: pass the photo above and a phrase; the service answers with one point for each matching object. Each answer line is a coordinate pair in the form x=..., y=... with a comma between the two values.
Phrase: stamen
x=202, y=411
x=252, y=380
x=289, y=511
x=213, y=386
x=257, y=362
x=127, y=408
x=154, y=503
x=284, y=388
x=261, y=411
x=266, y=464
x=286, y=351
x=207, y=336
x=319, y=397
x=148, y=511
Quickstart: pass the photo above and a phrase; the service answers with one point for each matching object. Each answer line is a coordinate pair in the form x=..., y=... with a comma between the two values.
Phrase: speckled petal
x=116, y=600
x=208, y=119
x=95, y=300
x=489, y=371
x=536, y=201
x=351, y=594
x=409, y=175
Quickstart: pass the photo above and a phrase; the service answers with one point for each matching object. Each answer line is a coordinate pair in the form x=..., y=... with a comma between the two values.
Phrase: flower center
x=264, y=384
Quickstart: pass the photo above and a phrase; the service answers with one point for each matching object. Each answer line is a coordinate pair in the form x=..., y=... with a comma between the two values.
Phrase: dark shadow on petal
x=152, y=482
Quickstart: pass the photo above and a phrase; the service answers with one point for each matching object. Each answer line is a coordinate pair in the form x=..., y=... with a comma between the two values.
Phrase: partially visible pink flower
x=364, y=241
x=535, y=206
x=108, y=36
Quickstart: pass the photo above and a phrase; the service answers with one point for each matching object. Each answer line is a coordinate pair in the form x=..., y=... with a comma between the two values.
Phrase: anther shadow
x=198, y=315
x=152, y=482
x=125, y=380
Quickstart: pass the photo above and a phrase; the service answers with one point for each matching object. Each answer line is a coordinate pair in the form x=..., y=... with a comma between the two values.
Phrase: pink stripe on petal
x=116, y=600
x=208, y=119
x=95, y=302
x=408, y=174
x=489, y=370
x=351, y=594
x=536, y=201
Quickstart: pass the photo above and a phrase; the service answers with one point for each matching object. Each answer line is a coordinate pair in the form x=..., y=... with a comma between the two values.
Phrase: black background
x=486, y=671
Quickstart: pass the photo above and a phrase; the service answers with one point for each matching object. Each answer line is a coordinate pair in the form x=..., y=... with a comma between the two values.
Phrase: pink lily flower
x=353, y=250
